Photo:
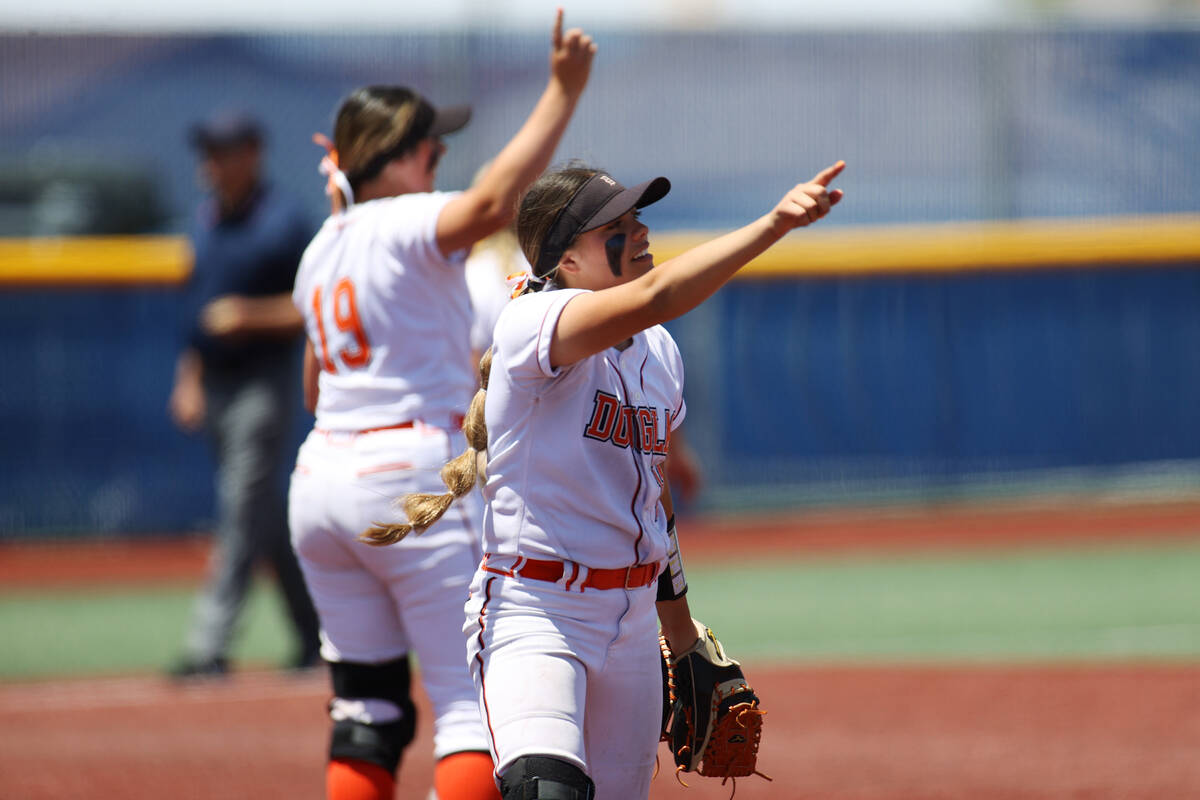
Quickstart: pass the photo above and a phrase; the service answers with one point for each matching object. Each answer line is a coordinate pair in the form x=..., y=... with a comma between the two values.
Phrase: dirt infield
x=1099, y=733
x=1094, y=732
x=704, y=539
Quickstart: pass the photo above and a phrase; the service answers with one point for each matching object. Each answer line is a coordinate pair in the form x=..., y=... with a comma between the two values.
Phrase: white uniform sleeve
x=524, y=331
x=408, y=227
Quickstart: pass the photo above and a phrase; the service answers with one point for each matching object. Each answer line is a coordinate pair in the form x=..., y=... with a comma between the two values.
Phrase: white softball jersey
x=576, y=455
x=388, y=316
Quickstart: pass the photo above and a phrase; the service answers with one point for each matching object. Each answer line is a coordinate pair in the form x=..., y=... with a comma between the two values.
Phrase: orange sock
x=346, y=779
x=465, y=776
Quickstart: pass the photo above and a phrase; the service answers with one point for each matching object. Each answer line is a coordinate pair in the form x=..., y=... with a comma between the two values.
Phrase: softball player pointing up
x=389, y=372
x=582, y=391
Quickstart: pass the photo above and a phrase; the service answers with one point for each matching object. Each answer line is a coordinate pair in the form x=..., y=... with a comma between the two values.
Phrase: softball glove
x=715, y=723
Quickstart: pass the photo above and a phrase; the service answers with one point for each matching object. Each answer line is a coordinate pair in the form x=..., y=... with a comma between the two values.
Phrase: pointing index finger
x=556, y=38
x=829, y=173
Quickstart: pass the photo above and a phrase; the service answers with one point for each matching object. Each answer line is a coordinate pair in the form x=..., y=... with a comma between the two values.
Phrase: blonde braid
x=460, y=474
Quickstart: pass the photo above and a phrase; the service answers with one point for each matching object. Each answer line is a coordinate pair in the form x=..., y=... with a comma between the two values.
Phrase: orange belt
x=631, y=577
x=395, y=427
x=456, y=420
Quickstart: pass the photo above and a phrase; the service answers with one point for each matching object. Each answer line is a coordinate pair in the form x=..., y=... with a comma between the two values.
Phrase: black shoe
x=198, y=669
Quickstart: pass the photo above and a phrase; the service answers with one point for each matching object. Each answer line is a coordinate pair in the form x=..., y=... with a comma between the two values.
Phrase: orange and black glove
x=715, y=723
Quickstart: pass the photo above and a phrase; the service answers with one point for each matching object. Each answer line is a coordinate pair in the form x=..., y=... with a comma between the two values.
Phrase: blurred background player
x=492, y=261
x=580, y=394
x=236, y=378
x=389, y=374
x=488, y=267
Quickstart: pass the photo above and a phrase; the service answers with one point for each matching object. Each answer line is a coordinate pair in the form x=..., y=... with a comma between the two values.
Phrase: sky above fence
x=377, y=15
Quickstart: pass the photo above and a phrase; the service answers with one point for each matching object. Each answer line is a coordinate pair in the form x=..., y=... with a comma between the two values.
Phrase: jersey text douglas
x=613, y=422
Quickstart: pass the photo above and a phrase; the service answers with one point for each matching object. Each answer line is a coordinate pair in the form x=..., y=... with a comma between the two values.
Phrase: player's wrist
x=672, y=582
x=681, y=636
x=776, y=225
x=563, y=91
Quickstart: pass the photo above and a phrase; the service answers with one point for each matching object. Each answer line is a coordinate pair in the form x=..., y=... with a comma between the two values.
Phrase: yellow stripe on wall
x=817, y=252
x=91, y=261
x=964, y=247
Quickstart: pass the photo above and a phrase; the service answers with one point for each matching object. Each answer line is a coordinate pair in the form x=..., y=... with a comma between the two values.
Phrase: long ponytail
x=460, y=474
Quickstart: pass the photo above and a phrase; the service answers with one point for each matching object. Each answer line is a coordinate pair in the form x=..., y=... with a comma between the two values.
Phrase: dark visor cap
x=427, y=122
x=449, y=119
x=599, y=201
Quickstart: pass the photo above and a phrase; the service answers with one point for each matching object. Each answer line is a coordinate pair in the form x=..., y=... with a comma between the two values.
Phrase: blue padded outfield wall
x=804, y=391
x=800, y=390
x=934, y=387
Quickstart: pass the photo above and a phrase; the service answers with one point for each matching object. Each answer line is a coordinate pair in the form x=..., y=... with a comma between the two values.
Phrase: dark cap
x=225, y=129
x=424, y=122
x=599, y=201
x=449, y=119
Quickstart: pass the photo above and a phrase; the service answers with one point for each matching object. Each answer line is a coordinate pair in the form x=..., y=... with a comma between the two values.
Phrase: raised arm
x=595, y=321
x=491, y=203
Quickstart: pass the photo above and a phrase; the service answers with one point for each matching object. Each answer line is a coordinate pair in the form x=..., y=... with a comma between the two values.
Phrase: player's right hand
x=570, y=56
x=225, y=316
x=186, y=405
x=808, y=202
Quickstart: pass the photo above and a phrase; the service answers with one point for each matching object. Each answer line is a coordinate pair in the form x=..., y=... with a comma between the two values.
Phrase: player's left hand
x=715, y=723
x=186, y=404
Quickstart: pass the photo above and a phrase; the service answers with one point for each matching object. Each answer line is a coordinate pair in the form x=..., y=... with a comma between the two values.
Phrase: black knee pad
x=378, y=744
x=390, y=680
x=382, y=745
x=545, y=778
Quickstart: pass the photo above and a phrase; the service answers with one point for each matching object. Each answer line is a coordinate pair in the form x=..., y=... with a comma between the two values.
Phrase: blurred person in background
x=488, y=267
x=236, y=379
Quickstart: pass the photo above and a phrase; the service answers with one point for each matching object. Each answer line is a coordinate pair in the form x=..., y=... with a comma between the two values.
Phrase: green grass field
x=1097, y=602
x=1131, y=601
